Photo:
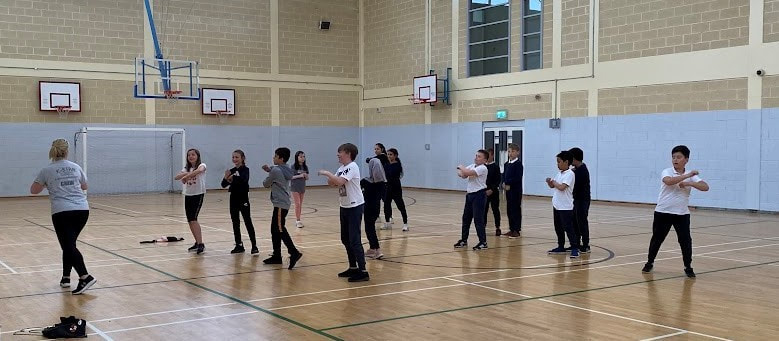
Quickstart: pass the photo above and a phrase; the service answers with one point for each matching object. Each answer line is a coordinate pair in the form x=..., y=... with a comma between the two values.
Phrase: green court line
x=533, y=298
x=218, y=293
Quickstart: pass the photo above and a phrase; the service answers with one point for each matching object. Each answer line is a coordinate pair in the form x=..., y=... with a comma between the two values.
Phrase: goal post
x=131, y=160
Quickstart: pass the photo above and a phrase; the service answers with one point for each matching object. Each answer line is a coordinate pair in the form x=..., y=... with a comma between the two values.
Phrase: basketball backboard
x=218, y=100
x=59, y=94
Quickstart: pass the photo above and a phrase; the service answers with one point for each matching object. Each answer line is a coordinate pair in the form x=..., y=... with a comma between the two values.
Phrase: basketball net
x=63, y=111
x=172, y=95
x=417, y=100
x=222, y=115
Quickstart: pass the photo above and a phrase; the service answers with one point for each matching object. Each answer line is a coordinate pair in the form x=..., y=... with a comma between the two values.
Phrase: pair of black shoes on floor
x=293, y=259
x=648, y=268
x=83, y=284
x=240, y=249
x=199, y=248
x=355, y=275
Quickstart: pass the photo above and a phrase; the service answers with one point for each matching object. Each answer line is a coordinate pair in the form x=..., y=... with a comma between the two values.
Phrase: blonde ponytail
x=59, y=150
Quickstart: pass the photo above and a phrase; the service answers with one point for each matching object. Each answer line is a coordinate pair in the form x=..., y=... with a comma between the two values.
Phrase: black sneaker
x=192, y=248
x=65, y=282
x=238, y=249
x=201, y=248
x=689, y=272
x=648, y=268
x=480, y=246
x=255, y=251
x=84, y=284
x=585, y=249
x=497, y=231
x=294, y=259
x=461, y=244
x=349, y=272
x=359, y=276
x=272, y=260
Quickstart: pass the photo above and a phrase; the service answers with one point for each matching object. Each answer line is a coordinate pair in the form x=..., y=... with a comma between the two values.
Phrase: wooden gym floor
x=423, y=289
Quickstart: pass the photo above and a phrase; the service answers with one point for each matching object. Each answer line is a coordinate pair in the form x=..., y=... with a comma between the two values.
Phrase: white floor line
x=180, y=322
x=8, y=267
x=665, y=336
x=201, y=225
x=367, y=296
x=99, y=332
x=367, y=286
x=589, y=310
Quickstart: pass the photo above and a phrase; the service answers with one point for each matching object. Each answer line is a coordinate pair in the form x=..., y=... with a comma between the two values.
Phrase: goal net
x=131, y=160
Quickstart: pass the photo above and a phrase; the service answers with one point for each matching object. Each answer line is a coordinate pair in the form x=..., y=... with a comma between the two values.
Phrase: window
x=532, y=26
x=488, y=37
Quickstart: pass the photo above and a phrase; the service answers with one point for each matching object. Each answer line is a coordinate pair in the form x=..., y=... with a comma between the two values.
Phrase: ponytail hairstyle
x=395, y=151
x=381, y=146
x=197, y=162
x=239, y=152
x=59, y=150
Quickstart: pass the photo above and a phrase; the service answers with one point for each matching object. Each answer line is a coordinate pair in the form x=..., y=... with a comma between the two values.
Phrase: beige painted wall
x=771, y=21
x=575, y=32
x=682, y=97
x=770, y=96
x=519, y=107
x=394, y=43
x=304, y=49
x=302, y=107
x=253, y=108
x=573, y=103
x=400, y=115
x=231, y=35
x=102, y=101
x=101, y=32
x=658, y=27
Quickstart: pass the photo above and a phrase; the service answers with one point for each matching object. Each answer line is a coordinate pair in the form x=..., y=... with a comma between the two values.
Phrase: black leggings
x=239, y=206
x=394, y=193
x=278, y=233
x=68, y=225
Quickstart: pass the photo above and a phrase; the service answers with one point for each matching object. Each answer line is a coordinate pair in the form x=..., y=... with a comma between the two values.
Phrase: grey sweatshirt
x=278, y=182
x=375, y=171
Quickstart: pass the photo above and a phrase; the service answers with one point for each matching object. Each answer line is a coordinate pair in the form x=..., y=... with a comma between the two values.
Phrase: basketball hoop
x=417, y=100
x=63, y=111
x=222, y=115
x=172, y=95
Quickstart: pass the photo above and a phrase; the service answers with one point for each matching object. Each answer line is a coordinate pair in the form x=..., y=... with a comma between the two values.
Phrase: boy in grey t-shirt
x=278, y=181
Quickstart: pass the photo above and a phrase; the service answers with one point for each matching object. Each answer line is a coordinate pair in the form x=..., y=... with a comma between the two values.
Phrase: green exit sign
x=501, y=114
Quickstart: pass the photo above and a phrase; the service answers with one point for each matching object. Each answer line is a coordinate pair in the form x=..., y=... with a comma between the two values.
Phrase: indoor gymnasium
x=389, y=169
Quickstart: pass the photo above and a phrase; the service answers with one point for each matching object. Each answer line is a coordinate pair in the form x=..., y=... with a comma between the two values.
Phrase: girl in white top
x=193, y=176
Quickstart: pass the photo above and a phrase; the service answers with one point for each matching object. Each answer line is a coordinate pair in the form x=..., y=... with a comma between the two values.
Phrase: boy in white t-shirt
x=562, y=204
x=672, y=208
x=347, y=179
x=475, y=200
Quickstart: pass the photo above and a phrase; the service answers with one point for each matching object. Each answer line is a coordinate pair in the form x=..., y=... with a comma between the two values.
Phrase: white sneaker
x=377, y=254
x=298, y=224
x=370, y=254
x=405, y=227
x=387, y=226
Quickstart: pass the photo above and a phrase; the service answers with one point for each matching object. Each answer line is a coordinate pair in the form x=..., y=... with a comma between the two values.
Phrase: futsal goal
x=130, y=160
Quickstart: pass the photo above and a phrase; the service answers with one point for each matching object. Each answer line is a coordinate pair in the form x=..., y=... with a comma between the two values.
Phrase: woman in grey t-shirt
x=66, y=183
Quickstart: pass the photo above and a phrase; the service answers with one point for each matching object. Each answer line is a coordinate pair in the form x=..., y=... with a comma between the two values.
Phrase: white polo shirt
x=563, y=200
x=478, y=182
x=674, y=199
